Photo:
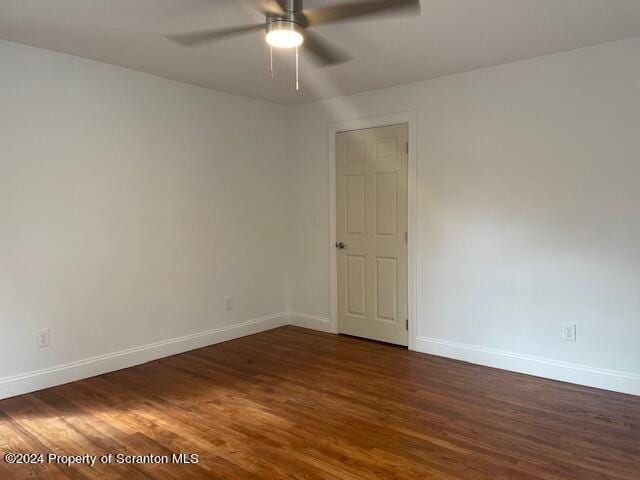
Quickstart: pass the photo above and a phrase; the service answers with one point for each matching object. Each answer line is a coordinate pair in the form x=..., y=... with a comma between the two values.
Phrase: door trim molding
x=411, y=119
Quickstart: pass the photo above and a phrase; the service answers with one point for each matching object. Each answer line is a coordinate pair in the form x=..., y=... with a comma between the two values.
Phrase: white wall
x=528, y=194
x=130, y=206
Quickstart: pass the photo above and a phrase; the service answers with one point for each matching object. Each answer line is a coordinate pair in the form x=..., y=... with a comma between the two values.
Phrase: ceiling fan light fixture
x=284, y=34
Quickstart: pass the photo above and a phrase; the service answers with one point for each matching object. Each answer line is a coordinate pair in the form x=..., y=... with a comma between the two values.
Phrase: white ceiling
x=450, y=36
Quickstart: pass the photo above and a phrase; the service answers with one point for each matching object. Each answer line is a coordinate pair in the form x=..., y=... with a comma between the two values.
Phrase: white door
x=371, y=231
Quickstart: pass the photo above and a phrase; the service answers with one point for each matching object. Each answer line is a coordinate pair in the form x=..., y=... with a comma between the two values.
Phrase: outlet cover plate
x=569, y=332
x=44, y=338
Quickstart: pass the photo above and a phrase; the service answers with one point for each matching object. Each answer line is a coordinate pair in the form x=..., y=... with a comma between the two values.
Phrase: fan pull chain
x=271, y=62
x=297, y=72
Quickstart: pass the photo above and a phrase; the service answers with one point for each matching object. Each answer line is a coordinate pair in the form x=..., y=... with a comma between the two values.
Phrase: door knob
x=341, y=245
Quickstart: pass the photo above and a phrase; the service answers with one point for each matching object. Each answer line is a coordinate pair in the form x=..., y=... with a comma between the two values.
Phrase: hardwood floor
x=293, y=403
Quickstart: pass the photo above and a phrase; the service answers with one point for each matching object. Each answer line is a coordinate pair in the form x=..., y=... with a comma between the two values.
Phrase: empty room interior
x=320, y=239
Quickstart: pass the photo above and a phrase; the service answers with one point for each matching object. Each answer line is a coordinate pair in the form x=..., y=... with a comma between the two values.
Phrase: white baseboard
x=90, y=367
x=617, y=381
x=613, y=380
x=313, y=322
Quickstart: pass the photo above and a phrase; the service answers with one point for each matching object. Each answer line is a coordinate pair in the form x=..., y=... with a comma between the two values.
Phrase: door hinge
x=407, y=324
x=407, y=147
x=406, y=237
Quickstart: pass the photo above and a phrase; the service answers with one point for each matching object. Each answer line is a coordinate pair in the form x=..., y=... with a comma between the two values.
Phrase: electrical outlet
x=228, y=303
x=569, y=332
x=315, y=219
x=44, y=338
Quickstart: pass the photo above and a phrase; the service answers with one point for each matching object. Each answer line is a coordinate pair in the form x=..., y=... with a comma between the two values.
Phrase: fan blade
x=267, y=7
x=318, y=16
x=322, y=51
x=277, y=7
x=203, y=36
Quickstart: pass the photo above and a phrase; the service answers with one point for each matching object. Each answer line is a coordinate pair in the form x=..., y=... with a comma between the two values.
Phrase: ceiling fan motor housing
x=291, y=19
x=286, y=29
x=292, y=14
x=288, y=16
x=293, y=5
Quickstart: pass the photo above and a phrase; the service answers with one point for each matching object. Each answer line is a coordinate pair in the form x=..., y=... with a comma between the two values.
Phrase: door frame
x=411, y=119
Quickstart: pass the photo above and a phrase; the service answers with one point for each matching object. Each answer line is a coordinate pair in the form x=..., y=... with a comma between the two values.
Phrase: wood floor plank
x=294, y=403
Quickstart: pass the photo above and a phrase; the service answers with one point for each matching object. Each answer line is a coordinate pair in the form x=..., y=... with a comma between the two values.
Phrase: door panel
x=355, y=204
x=386, y=194
x=387, y=289
x=371, y=189
x=356, y=152
x=356, y=285
x=386, y=149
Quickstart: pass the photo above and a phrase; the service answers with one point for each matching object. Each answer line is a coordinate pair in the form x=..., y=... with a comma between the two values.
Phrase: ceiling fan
x=287, y=23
